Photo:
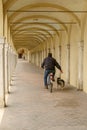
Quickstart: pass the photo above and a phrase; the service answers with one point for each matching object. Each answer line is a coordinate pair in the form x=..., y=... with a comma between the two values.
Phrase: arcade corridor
x=29, y=30
x=31, y=107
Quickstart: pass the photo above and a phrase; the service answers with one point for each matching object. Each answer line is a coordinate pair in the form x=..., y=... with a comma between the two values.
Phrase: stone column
x=42, y=56
x=9, y=65
x=53, y=51
x=53, y=46
x=2, y=72
x=5, y=26
x=59, y=57
x=80, y=66
x=59, y=54
x=31, y=58
x=47, y=46
x=48, y=50
x=15, y=59
x=28, y=55
x=45, y=52
x=6, y=68
x=68, y=64
x=1, y=18
x=38, y=58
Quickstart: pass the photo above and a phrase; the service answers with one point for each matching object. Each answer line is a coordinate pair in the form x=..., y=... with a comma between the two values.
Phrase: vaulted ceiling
x=33, y=21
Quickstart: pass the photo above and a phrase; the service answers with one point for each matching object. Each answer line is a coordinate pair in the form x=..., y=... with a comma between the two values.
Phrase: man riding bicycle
x=49, y=64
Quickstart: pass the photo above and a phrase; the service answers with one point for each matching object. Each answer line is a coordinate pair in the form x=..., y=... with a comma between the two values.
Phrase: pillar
x=53, y=46
x=59, y=57
x=2, y=72
x=6, y=68
x=80, y=66
x=42, y=55
x=6, y=26
x=68, y=64
x=28, y=55
x=48, y=46
x=59, y=54
x=48, y=50
x=53, y=51
x=1, y=18
x=9, y=65
x=45, y=51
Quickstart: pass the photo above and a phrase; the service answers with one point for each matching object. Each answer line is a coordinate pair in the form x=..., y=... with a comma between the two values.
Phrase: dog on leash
x=60, y=82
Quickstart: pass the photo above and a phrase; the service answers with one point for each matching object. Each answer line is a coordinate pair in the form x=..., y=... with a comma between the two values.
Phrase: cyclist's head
x=49, y=54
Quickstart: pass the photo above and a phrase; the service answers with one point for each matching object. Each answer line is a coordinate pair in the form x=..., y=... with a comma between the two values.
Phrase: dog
x=60, y=82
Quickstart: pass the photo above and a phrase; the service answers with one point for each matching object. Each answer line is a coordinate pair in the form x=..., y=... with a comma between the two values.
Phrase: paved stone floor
x=31, y=107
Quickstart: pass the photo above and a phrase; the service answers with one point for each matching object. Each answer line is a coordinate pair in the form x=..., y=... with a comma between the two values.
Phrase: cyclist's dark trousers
x=46, y=74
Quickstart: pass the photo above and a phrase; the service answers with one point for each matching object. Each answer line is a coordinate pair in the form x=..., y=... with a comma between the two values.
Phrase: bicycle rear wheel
x=51, y=87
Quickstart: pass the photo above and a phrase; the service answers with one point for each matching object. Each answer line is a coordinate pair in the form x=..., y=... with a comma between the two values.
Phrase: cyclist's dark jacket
x=49, y=63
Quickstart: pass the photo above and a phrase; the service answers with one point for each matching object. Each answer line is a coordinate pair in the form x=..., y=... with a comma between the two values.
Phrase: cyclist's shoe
x=53, y=79
x=46, y=86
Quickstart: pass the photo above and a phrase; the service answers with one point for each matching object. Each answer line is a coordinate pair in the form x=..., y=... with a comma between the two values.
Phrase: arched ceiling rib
x=34, y=34
x=36, y=24
x=29, y=44
x=42, y=25
x=42, y=6
x=27, y=37
x=43, y=32
x=42, y=17
x=32, y=29
x=46, y=17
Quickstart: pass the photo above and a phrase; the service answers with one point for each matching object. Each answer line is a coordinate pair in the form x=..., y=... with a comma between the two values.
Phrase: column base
x=78, y=89
x=80, y=86
x=2, y=103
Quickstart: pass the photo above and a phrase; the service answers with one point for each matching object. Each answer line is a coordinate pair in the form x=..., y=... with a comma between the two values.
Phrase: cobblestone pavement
x=31, y=107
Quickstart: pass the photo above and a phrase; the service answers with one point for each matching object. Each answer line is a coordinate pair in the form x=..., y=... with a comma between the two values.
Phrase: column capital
x=48, y=50
x=81, y=44
x=59, y=45
x=68, y=46
x=82, y=41
x=6, y=45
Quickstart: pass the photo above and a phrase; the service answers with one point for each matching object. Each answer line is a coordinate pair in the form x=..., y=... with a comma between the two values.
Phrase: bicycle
x=50, y=80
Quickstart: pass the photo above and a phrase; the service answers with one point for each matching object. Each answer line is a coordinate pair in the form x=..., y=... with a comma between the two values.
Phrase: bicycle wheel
x=51, y=87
